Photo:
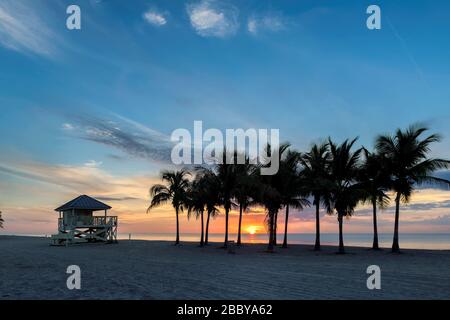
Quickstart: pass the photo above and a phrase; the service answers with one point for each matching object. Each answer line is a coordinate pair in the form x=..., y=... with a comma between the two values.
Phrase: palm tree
x=409, y=165
x=345, y=193
x=315, y=176
x=293, y=193
x=175, y=191
x=275, y=227
x=374, y=180
x=272, y=201
x=212, y=197
x=270, y=195
x=1, y=220
x=212, y=213
x=227, y=180
x=196, y=203
x=244, y=190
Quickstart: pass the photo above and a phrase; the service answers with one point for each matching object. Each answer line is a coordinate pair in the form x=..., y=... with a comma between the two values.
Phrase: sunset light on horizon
x=105, y=130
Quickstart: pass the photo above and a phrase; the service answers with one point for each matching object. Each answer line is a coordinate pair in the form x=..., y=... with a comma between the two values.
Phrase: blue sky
x=103, y=99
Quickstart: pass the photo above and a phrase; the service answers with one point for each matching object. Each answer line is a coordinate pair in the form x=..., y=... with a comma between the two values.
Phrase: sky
x=91, y=111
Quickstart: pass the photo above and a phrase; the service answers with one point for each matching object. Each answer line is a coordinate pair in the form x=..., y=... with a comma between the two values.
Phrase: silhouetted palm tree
x=272, y=202
x=227, y=180
x=294, y=192
x=244, y=191
x=275, y=227
x=175, y=191
x=196, y=202
x=212, y=197
x=408, y=164
x=1, y=220
x=316, y=179
x=270, y=194
x=212, y=213
x=345, y=193
x=374, y=180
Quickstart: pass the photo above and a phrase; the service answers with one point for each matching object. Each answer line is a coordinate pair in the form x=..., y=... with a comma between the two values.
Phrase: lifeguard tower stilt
x=77, y=223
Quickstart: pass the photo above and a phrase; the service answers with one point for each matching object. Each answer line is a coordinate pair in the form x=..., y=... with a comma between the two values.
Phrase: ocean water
x=440, y=241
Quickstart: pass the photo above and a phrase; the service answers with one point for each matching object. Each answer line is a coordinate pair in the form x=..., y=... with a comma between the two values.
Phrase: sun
x=252, y=229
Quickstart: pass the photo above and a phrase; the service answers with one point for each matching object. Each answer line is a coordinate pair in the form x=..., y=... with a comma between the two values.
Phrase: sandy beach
x=31, y=269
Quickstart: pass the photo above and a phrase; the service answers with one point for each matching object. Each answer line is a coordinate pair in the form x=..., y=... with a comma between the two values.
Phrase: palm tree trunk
x=225, y=245
x=203, y=231
x=207, y=228
x=275, y=224
x=375, y=227
x=317, y=245
x=240, y=223
x=341, y=237
x=270, y=245
x=395, y=245
x=177, y=241
x=285, y=227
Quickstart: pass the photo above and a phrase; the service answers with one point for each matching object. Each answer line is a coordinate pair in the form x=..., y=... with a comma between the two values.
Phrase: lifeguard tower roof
x=83, y=202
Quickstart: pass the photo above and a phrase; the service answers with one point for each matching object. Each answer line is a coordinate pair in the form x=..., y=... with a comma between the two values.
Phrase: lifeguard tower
x=77, y=223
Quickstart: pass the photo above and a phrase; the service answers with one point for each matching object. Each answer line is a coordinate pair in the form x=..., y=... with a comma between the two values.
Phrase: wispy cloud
x=22, y=29
x=103, y=198
x=213, y=19
x=80, y=179
x=93, y=163
x=67, y=126
x=126, y=135
x=155, y=18
x=77, y=178
x=267, y=22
